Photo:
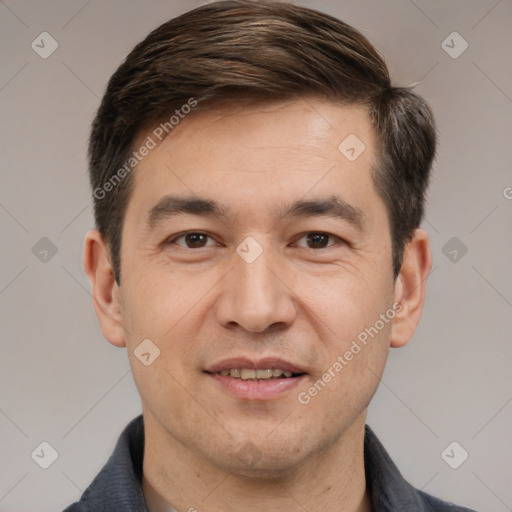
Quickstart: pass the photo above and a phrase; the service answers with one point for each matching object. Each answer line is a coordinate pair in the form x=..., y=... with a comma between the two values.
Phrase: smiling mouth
x=250, y=374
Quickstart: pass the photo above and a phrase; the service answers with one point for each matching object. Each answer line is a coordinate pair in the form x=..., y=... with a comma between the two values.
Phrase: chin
x=261, y=458
x=267, y=468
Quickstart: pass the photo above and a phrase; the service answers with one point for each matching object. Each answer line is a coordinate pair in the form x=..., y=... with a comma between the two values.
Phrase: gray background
x=61, y=382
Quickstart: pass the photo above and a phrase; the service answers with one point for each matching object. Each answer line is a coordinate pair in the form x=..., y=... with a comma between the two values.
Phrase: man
x=259, y=186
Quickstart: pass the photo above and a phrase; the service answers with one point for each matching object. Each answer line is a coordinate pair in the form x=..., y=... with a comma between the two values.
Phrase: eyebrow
x=334, y=206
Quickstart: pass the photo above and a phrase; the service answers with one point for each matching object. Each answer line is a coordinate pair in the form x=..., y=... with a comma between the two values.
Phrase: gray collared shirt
x=118, y=486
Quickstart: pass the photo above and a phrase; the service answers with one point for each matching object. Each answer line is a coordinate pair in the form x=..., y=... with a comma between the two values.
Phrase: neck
x=177, y=478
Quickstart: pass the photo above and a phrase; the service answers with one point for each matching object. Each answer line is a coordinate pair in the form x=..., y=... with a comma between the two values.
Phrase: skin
x=296, y=301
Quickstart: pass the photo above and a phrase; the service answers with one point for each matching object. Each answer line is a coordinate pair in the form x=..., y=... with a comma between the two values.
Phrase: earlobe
x=105, y=291
x=410, y=288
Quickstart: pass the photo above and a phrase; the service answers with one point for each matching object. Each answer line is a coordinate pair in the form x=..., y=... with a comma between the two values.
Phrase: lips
x=228, y=376
x=255, y=364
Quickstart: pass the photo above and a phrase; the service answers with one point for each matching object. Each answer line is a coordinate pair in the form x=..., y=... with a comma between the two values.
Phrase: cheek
x=347, y=312
x=348, y=382
x=343, y=304
x=169, y=309
x=154, y=302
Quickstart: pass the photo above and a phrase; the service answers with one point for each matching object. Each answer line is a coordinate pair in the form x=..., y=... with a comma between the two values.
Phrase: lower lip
x=256, y=389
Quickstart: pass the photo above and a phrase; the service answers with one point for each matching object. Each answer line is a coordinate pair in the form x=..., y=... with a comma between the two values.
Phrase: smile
x=252, y=374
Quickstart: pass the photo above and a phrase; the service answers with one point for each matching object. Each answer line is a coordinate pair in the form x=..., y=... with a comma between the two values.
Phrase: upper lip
x=259, y=364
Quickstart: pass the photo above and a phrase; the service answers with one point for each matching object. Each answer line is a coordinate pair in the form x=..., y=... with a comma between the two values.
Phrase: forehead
x=309, y=126
x=262, y=153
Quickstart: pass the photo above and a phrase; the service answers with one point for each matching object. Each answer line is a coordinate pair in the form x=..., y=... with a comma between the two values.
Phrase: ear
x=105, y=291
x=410, y=288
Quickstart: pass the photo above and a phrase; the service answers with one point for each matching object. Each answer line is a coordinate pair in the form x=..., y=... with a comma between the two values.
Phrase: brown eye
x=316, y=240
x=192, y=240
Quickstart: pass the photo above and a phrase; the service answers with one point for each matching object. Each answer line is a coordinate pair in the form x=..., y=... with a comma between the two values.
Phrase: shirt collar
x=118, y=486
x=389, y=491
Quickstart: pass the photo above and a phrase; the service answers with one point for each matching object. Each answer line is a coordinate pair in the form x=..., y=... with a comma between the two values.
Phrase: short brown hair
x=268, y=50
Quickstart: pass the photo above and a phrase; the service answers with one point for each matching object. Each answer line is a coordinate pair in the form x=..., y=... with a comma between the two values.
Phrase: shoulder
x=389, y=489
x=75, y=507
x=437, y=505
x=118, y=485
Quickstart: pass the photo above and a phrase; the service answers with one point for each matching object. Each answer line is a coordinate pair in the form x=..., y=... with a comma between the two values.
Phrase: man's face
x=259, y=281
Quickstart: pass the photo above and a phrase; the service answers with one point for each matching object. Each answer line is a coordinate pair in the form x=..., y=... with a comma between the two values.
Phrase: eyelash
x=182, y=235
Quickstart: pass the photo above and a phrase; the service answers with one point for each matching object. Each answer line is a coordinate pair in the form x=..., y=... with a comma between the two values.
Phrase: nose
x=255, y=296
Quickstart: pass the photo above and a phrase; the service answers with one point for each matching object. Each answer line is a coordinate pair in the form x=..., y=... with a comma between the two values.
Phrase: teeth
x=246, y=373
x=263, y=374
x=251, y=374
